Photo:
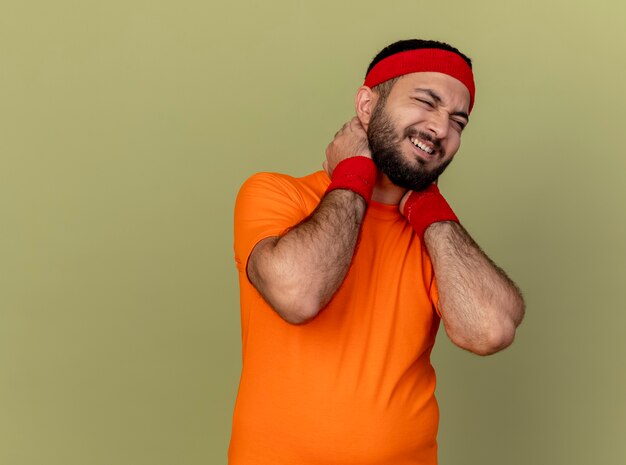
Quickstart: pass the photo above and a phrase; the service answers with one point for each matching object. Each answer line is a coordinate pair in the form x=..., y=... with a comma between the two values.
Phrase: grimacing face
x=415, y=133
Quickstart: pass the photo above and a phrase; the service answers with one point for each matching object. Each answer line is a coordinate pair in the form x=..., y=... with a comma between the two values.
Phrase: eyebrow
x=438, y=100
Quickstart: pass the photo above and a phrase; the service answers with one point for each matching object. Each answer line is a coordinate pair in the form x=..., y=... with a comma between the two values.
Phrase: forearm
x=299, y=272
x=479, y=304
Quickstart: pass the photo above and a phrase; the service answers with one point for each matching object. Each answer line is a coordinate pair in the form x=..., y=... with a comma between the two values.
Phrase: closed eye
x=427, y=102
x=459, y=124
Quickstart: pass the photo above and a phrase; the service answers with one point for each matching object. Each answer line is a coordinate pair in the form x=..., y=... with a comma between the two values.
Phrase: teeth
x=425, y=148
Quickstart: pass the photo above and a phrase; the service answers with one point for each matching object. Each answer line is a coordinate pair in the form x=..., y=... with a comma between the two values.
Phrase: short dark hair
x=384, y=88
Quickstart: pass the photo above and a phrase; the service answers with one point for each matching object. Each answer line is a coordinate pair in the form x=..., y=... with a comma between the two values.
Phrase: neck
x=386, y=192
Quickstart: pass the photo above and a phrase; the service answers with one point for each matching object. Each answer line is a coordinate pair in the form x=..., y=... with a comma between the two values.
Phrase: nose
x=437, y=124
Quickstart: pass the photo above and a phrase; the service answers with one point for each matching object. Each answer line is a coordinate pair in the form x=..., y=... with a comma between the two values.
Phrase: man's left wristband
x=426, y=207
x=357, y=174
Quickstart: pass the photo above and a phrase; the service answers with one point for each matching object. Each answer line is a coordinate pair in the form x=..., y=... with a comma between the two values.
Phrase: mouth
x=424, y=149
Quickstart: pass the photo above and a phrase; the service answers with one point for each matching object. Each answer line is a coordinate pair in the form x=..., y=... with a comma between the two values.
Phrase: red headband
x=423, y=60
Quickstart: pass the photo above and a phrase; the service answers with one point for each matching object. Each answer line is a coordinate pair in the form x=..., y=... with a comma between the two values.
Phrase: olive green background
x=126, y=128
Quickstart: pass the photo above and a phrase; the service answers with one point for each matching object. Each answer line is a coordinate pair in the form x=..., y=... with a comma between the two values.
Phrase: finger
x=405, y=197
x=357, y=127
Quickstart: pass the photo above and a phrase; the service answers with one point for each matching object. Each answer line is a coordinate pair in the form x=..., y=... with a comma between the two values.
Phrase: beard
x=386, y=147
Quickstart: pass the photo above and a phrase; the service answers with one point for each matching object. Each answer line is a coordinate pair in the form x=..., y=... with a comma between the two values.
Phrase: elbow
x=290, y=294
x=298, y=313
x=495, y=340
x=494, y=332
x=294, y=304
x=487, y=340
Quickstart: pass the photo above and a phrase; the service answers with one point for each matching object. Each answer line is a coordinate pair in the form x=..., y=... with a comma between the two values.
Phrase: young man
x=346, y=273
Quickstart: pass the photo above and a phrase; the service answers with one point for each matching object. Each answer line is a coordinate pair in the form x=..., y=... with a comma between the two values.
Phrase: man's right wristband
x=357, y=174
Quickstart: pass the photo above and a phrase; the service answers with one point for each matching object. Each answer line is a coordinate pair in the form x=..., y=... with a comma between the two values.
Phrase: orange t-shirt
x=355, y=384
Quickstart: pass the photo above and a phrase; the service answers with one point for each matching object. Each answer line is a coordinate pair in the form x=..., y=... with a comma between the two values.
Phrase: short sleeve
x=267, y=205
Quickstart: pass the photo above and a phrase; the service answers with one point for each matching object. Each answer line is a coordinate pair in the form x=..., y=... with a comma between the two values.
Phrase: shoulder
x=285, y=189
x=270, y=182
x=315, y=181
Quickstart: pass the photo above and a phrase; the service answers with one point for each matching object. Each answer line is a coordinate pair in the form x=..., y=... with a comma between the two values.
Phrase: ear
x=365, y=101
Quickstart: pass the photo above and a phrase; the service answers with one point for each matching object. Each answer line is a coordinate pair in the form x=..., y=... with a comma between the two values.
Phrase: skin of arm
x=299, y=272
x=480, y=306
